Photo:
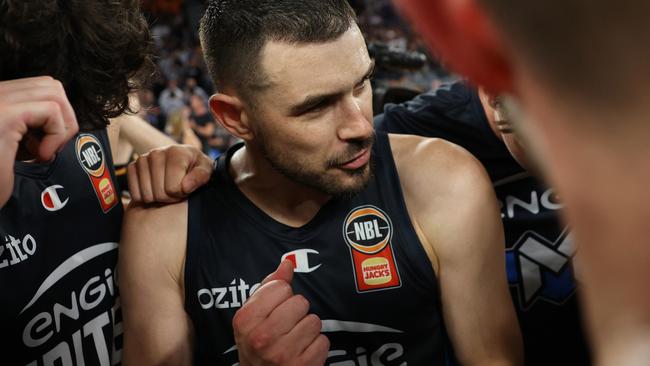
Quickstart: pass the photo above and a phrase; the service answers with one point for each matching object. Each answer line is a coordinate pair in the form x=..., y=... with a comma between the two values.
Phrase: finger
x=45, y=116
x=199, y=174
x=258, y=307
x=283, y=272
x=290, y=346
x=178, y=163
x=42, y=90
x=132, y=179
x=55, y=133
x=144, y=179
x=305, y=332
x=286, y=315
x=10, y=85
x=157, y=174
x=316, y=352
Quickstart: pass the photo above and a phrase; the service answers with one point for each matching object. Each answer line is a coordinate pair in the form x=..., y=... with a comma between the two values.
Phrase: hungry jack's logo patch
x=92, y=159
x=368, y=230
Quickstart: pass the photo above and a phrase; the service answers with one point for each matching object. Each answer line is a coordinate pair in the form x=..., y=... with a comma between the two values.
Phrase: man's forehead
x=298, y=68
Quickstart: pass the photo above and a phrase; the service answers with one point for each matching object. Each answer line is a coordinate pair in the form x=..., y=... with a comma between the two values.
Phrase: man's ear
x=464, y=36
x=229, y=111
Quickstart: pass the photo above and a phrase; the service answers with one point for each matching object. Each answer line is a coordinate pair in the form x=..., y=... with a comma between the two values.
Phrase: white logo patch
x=51, y=200
x=300, y=260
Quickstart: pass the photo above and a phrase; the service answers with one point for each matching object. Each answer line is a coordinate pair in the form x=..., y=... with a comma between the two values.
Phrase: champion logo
x=51, y=200
x=300, y=260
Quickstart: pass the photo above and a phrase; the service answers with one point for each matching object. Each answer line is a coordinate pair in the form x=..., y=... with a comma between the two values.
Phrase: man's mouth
x=357, y=162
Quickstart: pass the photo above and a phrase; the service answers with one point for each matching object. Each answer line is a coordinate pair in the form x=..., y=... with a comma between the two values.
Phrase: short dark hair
x=100, y=50
x=233, y=33
x=590, y=48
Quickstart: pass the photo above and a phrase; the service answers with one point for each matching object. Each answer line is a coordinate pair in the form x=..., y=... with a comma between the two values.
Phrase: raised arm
x=450, y=198
x=157, y=331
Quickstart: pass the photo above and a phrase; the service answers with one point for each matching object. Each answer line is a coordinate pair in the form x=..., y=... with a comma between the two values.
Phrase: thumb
x=198, y=174
x=284, y=272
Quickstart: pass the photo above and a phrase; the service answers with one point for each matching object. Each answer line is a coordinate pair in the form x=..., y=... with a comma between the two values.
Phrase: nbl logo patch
x=91, y=157
x=368, y=230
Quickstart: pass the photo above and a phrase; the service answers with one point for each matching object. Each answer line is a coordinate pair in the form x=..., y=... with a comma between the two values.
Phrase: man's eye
x=360, y=87
x=315, y=108
x=319, y=107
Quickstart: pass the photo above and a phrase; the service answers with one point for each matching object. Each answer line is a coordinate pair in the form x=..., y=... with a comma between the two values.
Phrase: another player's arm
x=452, y=204
x=134, y=130
x=141, y=135
x=157, y=330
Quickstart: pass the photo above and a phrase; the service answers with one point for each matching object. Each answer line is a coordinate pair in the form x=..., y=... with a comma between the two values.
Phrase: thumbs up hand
x=274, y=326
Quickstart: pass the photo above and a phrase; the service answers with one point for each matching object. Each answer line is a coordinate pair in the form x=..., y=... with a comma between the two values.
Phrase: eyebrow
x=312, y=100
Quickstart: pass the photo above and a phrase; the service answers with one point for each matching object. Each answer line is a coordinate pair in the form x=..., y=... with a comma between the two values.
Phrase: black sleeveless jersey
x=59, y=233
x=539, y=249
x=358, y=261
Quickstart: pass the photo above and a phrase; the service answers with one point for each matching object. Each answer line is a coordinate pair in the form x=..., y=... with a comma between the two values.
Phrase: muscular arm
x=157, y=331
x=453, y=207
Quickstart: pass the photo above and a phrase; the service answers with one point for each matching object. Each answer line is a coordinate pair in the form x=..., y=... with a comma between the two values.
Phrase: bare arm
x=451, y=201
x=139, y=133
x=157, y=330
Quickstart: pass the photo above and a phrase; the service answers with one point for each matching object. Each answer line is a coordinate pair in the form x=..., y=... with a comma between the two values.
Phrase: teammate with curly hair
x=65, y=66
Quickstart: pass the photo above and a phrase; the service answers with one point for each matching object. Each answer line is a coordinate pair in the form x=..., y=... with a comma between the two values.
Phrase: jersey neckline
x=235, y=196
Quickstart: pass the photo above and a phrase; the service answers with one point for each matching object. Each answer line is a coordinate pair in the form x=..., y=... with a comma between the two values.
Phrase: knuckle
x=131, y=168
x=313, y=322
x=279, y=358
x=156, y=154
x=302, y=302
x=284, y=288
x=240, y=319
x=53, y=107
x=141, y=162
x=324, y=342
x=57, y=84
x=259, y=339
x=74, y=128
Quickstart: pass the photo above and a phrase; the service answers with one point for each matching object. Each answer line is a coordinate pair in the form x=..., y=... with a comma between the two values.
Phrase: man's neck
x=283, y=199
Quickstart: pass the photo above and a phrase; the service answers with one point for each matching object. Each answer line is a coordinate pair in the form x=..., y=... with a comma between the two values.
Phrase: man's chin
x=354, y=182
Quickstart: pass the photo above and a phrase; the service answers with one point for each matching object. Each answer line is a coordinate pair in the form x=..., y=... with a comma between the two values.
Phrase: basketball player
x=539, y=249
x=376, y=267
x=60, y=215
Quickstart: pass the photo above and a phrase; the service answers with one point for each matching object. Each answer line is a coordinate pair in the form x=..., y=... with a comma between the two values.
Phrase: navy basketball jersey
x=358, y=261
x=59, y=233
x=539, y=249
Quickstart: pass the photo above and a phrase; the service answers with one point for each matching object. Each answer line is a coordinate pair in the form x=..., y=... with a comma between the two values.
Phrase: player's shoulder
x=433, y=167
x=430, y=156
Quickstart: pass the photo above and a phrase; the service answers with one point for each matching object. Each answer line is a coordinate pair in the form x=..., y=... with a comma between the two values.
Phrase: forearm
x=141, y=135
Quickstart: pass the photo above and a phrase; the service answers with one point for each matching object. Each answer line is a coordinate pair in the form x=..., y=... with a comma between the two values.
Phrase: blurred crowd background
x=176, y=101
